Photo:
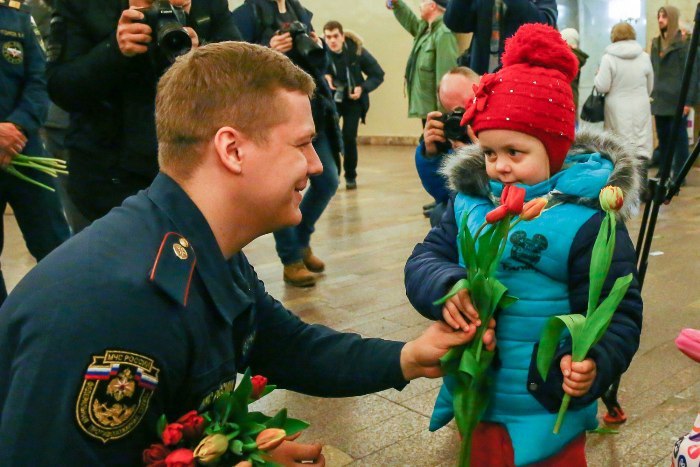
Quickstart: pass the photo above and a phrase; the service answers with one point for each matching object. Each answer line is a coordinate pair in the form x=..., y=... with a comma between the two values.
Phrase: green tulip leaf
x=601, y=258
x=278, y=420
x=255, y=457
x=249, y=446
x=251, y=428
x=160, y=425
x=268, y=389
x=551, y=334
x=459, y=285
x=258, y=417
x=467, y=244
x=506, y=301
x=468, y=364
x=293, y=426
x=245, y=389
x=598, y=323
x=236, y=447
x=223, y=406
x=452, y=355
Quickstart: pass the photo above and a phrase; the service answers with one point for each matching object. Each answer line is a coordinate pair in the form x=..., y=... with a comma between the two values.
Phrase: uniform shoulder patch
x=173, y=267
x=116, y=390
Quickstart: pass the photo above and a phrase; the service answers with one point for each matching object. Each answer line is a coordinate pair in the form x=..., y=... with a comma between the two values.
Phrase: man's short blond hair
x=622, y=32
x=223, y=84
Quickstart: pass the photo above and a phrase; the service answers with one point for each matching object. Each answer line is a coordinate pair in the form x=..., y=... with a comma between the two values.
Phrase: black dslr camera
x=453, y=127
x=303, y=44
x=167, y=24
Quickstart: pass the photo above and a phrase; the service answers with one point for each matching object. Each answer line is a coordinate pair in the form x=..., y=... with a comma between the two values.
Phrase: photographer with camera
x=350, y=63
x=104, y=60
x=285, y=26
x=443, y=134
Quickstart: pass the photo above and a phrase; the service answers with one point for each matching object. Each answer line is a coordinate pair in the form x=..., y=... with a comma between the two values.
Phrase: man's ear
x=229, y=144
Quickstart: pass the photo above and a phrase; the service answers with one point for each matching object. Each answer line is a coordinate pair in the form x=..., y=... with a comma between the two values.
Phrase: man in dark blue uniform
x=23, y=104
x=104, y=64
x=154, y=308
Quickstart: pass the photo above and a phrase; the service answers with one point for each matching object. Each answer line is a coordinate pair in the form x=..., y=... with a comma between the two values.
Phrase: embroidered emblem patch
x=528, y=250
x=114, y=397
x=13, y=52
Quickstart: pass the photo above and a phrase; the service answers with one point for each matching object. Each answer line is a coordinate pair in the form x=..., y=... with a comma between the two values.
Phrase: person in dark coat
x=154, y=309
x=102, y=72
x=492, y=22
x=23, y=105
x=267, y=23
x=668, y=53
x=353, y=74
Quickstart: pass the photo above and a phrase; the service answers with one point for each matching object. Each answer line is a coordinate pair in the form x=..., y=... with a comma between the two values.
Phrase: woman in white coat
x=626, y=77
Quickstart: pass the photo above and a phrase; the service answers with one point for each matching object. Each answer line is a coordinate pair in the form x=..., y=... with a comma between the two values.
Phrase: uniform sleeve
x=316, y=360
x=537, y=11
x=32, y=106
x=224, y=26
x=48, y=346
x=374, y=72
x=82, y=71
x=406, y=18
x=433, y=267
x=603, y=79
x=613, y=353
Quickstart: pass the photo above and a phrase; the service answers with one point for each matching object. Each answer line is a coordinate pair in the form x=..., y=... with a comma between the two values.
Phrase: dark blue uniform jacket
x=140, y=315
x=23, y=98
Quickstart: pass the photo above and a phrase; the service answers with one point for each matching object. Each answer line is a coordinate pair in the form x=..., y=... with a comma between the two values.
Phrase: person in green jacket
x=433, y=54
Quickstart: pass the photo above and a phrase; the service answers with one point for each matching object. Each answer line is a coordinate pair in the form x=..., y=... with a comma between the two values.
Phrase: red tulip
x=497, y=214
x=259, y=382
x=155, y=455
x=192, y=425
x=513, y=198
x=180, y=458
x=172, y=434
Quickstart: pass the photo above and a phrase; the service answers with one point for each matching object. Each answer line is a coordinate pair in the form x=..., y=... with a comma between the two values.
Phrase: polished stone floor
x=365, y=237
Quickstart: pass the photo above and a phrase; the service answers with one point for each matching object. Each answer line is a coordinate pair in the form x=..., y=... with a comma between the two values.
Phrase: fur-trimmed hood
x=465, y=171
x=356, y=39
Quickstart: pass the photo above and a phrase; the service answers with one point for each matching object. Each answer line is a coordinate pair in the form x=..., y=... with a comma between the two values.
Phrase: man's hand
x=5, y=158
x=132, y=37
x=356, y=93
x=433, y=133
x=329, y=80
x=12, y=140
x=578, y=376
x=281, y=42
x=316, y=39
x=291, y=453
x=421, y=356
x=459, y=312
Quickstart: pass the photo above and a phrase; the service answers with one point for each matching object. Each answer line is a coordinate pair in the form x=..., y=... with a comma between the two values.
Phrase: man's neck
x=281, y=6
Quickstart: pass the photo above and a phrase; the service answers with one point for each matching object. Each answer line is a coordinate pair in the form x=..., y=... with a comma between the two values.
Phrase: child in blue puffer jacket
x=524, y=118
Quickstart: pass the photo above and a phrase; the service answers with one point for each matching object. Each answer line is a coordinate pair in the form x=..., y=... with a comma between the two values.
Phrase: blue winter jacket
x=546, y=265
x=429, y=173
x=476, y=16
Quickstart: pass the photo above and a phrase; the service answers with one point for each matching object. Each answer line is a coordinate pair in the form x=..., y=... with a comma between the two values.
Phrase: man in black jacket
x=350, y=63
x=103, y=69
x=277, y=24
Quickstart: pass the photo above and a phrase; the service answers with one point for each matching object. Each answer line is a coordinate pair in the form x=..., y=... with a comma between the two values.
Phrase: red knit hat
x=531, y=93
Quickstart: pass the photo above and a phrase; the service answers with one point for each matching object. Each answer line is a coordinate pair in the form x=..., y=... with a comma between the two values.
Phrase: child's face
x=514, y=157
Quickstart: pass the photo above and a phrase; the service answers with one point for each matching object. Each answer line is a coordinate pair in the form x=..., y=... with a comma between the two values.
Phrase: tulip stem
x=562, y=411
x=478, y=232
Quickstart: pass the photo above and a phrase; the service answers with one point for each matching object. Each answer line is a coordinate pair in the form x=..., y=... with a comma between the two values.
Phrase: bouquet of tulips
x=228, y=434
x=48, y=165
x=586, y=331
x=468, y=363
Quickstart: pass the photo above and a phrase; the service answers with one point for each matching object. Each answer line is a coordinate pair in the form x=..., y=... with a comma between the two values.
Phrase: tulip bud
x=211, y=448
x=270, y=438
x=259, y=382
x=497, y=214
x=611, y=198
x=513, y=198
x=533, y=208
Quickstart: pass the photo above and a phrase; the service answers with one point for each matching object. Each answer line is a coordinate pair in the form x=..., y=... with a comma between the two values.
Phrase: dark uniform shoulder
x=18, y=5
x=173, y=267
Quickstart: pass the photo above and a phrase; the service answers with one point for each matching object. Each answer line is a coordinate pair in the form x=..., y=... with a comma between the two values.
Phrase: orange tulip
x=533, y=208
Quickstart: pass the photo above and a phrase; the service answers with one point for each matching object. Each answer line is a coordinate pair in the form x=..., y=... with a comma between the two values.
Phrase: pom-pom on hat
x=531, y=93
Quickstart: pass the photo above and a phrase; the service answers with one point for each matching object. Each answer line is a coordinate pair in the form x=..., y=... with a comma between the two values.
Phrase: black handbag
x=593, y=109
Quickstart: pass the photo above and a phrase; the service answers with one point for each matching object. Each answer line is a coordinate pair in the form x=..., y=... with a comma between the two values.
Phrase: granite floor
x=365, y=237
